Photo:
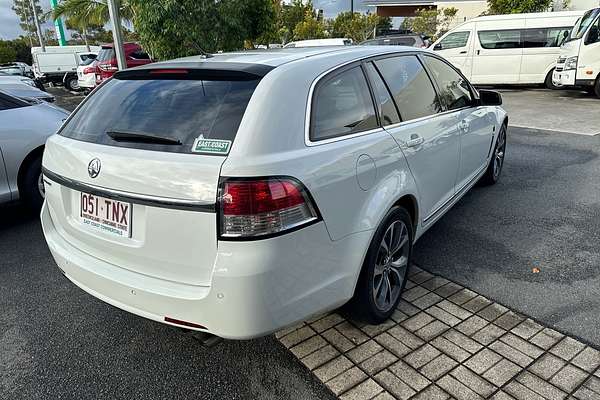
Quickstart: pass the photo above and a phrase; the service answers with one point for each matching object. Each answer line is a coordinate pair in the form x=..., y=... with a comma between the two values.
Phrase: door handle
x=415, y=140
x=478, y=52
x=463, y=52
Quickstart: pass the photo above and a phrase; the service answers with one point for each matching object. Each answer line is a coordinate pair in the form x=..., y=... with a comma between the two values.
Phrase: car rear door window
x=177, y=110
x=410, y=85
x=387, y=108
x=454, y=90
x=342, y=105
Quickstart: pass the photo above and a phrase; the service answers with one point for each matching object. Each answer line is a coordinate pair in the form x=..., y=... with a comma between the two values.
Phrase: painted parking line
x=445, y=341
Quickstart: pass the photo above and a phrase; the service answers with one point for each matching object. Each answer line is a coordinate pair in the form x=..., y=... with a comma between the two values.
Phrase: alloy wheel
x=499, y=153
x=40, y=186
x=391, y=266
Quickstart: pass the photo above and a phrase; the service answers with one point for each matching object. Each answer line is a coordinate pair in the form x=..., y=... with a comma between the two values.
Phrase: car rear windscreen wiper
x=142, y=137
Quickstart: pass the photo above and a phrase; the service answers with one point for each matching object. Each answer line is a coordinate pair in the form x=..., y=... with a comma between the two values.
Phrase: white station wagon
x=245, y=192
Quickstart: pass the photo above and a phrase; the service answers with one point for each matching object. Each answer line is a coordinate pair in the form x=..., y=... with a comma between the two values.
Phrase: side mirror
x=490, y=98
x=437, y=46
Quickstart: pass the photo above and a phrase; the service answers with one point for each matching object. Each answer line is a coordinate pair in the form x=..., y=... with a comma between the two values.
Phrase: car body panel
x=247, y=288
x=25, y=91
x=22, y=131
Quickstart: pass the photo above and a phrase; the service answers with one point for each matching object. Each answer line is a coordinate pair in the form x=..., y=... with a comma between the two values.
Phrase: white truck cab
x=579, y=62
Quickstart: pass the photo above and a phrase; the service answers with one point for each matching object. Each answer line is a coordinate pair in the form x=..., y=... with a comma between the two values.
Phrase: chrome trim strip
x=152, y=201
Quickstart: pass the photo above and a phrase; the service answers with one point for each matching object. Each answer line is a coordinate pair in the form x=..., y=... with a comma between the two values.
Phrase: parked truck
x=578, y=64
x=58, y=64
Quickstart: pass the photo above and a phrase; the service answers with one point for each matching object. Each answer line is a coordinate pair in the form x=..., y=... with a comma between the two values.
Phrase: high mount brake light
x=254, y=208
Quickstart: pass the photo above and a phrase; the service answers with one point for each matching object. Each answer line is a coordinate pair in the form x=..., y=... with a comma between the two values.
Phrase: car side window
x=454, y=89
x=7, y=103
x=453, y=41
x=387, y=108
x=410, y=85
x=342, y=105
x=501, y=39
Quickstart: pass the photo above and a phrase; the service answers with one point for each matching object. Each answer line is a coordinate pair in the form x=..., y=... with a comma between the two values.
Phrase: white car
x=242, y=193
x=26, y=124
x=86, y=74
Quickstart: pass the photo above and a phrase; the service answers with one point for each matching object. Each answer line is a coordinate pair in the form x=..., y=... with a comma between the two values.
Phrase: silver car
x=24, y=127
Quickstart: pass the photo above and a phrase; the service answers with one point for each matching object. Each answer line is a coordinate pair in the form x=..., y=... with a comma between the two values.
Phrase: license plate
x=107, y=215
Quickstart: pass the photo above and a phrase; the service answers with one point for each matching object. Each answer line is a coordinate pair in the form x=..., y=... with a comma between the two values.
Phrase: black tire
x=597, y=87
x=364, y=306
x=548, y=82
x=71, y=83
x=493, y=172
x=29, y=188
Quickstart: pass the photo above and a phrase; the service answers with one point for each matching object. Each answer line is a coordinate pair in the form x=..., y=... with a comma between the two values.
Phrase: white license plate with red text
x=107, y=215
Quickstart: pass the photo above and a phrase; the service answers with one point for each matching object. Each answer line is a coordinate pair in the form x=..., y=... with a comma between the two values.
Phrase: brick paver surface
x=445, y=342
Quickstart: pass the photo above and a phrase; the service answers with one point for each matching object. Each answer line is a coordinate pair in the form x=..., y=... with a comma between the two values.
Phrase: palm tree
x=85, y=13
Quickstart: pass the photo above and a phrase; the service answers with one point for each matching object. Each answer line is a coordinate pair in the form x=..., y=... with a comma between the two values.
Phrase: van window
x=171, y=109
x=387, y=108
x=501, y=39
x=454, y=90
x=543, y=37
x=454, y=40
x=594, y=33
x=342, y=105
x=410, y=86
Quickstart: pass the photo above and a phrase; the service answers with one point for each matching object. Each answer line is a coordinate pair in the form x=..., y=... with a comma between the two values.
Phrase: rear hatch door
x=134, y=172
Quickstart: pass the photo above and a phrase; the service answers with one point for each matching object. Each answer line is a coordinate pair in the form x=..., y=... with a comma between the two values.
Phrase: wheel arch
x=33, y=155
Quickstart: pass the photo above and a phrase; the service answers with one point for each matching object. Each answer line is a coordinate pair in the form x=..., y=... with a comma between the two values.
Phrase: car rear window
x=171, y=109
x=106, y=54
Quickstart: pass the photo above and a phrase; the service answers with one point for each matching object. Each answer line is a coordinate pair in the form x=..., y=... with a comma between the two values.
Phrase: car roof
x=277, y=57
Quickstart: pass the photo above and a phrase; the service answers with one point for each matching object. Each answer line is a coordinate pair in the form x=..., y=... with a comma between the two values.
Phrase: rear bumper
x=87, y=81
x=257, y=287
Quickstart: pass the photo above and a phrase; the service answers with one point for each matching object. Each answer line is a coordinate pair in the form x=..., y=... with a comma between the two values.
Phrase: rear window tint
x=106, y=54
x=180, y=110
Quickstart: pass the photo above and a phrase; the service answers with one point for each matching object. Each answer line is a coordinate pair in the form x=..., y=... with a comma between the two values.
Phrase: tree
x=517, y=7
x=291, y=15
x=176, y=28
x=358, y=27
x=7, y=52
x=26, y=21
x=90, y=12
x=430, y=22
x=310, y=27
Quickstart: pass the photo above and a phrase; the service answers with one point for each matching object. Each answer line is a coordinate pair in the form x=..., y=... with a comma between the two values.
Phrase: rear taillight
x=108, y=67
x=255, y=208
x=89, y=70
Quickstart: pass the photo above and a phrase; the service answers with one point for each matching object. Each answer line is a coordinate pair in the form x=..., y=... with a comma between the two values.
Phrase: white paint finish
x=23, y=130
x=243, y=289
x=477, y=129
x=435, y=180
x=507, y=66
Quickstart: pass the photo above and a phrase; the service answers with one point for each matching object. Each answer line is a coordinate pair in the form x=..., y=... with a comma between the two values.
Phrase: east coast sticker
x=211, y=146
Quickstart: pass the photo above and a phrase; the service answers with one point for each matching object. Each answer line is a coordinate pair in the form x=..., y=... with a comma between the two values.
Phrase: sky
x=9, y=23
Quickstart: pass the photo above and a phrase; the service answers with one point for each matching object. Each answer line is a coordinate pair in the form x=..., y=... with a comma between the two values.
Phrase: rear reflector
x=183, y=323
x=263, y=207
x=89, y=70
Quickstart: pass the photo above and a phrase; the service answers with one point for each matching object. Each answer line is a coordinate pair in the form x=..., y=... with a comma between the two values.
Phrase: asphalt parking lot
x=59, y=342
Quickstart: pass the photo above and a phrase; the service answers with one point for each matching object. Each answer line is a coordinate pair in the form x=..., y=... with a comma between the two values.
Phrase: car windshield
x=583, y=24
x=176, y=112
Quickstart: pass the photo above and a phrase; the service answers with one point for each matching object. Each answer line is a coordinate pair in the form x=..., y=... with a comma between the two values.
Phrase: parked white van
x=579, y=60
x=508, y=49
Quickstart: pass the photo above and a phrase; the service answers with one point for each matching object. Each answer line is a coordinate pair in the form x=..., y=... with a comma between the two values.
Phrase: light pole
x=115, y=20
x=37, y=26
x=352, y=7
